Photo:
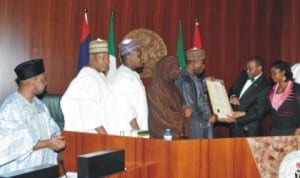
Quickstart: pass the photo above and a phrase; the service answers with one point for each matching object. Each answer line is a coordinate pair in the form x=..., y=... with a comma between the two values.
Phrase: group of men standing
x=91, y=103
x=98, y=111
x=29, y=135
x=248, y=97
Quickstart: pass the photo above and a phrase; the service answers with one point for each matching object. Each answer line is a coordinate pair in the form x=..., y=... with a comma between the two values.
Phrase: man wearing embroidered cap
x=87, y=102
x=130, y=89
x=29, y=136
x=194, y=93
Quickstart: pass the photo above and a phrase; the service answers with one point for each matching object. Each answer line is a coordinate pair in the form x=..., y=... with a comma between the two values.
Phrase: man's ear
x=127, y=58
x=35, y=78
x=31, y=80
x=91, y=56
x=260, y=68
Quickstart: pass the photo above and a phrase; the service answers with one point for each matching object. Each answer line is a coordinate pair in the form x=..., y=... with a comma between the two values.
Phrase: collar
x=256, y=77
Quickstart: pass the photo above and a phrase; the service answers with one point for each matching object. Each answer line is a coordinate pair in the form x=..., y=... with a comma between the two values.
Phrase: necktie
x=251, y=79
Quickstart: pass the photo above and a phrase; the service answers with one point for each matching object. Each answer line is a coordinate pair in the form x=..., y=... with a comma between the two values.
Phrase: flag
x=84, y=43
x=197, y=43
x=197, y=39
x=112, y=51
x=180, y=48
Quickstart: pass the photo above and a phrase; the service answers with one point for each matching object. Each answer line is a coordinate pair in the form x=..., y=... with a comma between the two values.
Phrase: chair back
x=52, y=101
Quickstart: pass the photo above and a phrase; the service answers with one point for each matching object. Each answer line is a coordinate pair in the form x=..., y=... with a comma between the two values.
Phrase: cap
x=128, y=45
x=98, y=46
x=29, y=69
x=195, y=54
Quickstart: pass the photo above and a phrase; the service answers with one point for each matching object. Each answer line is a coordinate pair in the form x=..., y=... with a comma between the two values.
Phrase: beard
x=41, y=94
x=139, y=69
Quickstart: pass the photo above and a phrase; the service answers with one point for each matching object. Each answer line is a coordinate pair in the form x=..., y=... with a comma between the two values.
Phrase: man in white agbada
x=87, y=103
x=130, y=89
x=28, y=134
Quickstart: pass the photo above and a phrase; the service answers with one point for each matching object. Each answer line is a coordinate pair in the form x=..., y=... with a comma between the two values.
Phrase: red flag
x=84, y=43
x=197, y=39
x=197, y=43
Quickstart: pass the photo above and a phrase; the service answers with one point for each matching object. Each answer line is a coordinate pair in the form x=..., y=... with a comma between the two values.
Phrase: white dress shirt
x=248, y=83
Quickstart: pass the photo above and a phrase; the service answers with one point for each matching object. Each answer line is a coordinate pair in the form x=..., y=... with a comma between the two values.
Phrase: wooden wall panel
x=231, y=31
x=51, y=30
x=290, y=45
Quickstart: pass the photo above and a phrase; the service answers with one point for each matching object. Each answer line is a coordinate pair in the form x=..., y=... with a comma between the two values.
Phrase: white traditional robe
x=132, y=97
x=87, y=103
x=22, y=125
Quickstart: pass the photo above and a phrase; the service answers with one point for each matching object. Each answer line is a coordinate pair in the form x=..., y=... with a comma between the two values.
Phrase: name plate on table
x=219, y=99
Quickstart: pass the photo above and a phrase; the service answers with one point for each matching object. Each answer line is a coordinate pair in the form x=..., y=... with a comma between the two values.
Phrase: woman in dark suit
x=284, y=100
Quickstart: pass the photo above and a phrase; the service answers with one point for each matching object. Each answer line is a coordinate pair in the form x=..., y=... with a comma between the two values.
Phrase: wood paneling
x=290, y=45
x=159, y=158
x=234, y=30
x=231, y=31
x=51, y=30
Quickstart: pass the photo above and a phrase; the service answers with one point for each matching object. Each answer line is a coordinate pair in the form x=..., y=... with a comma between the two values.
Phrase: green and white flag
x=180, y=48
x=112, y=51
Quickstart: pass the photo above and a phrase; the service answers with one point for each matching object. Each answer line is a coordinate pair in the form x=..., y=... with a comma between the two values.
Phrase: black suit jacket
x=253, y=102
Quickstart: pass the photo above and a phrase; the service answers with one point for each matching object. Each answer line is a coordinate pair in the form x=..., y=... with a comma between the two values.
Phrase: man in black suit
x=249, y=95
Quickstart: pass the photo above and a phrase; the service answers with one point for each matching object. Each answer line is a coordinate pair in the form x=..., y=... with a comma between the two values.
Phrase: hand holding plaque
x=219, y=99
x=234, y=116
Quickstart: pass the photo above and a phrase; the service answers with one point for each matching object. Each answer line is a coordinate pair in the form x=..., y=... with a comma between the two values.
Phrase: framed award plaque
x=219, y=99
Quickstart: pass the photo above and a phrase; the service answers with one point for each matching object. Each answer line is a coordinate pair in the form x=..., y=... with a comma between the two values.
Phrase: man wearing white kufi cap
x=88, y=100
x=130, y=89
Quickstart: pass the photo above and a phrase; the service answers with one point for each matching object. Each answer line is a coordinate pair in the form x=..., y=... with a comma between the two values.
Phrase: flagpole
x=197, y=21
x=85, y=11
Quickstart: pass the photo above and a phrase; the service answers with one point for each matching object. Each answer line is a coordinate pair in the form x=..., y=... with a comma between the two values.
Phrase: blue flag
x=84, y=44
